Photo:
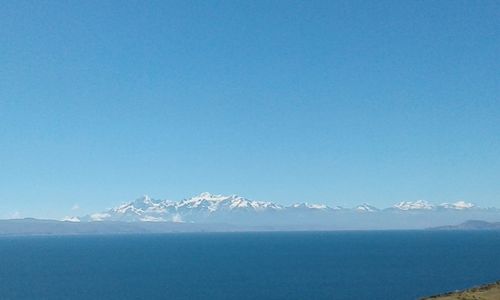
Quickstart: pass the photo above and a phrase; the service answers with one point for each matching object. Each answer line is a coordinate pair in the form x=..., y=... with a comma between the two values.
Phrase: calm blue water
x=318, y=265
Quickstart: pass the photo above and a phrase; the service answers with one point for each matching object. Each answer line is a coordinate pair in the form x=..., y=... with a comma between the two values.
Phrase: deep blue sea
x=309, y=265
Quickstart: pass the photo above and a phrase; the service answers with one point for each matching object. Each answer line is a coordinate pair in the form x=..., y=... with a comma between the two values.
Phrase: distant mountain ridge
x=205, y=204
x=220, y=213
x=234, y=209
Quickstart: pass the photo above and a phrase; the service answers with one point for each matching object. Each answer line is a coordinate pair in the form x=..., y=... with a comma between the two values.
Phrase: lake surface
x=308, y=265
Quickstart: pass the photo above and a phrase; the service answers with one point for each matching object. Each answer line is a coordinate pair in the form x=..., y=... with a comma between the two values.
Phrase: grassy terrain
x=485, y=292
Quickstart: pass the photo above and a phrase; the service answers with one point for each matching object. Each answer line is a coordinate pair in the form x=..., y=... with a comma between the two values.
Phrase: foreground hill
x=485, y=292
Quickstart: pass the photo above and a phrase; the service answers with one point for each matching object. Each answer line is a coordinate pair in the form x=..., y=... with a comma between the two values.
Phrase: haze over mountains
x=219, y=213
x=209, y=208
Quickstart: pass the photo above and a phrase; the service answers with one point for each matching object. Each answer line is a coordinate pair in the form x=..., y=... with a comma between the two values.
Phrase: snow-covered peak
x=71, y=219
x=417, y=205
x=460, y=205
x=207, y=201
x=212, y=203
x=143, y=204
x=366, y=208
x=305, y=205
x=214, y=197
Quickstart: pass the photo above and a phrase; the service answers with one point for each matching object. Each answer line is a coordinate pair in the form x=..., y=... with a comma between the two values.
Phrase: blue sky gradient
x=340, y=102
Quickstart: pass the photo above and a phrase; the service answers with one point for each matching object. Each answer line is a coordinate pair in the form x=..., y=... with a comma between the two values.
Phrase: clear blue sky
x=339, y=102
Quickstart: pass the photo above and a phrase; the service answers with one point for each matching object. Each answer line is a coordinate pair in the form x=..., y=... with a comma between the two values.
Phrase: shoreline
x=489, y=291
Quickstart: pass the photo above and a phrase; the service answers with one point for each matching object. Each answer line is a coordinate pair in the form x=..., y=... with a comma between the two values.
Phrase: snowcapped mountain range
x=424, y=205
x=208, y=207
x=203, y=205
x=365, y=207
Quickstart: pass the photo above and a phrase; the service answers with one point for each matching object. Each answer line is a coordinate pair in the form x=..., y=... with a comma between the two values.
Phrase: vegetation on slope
x=485, y=292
